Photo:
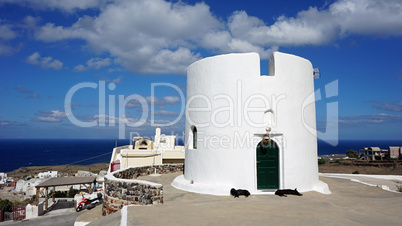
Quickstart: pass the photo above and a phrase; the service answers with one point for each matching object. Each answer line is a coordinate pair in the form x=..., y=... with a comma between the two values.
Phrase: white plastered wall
x=219, y=90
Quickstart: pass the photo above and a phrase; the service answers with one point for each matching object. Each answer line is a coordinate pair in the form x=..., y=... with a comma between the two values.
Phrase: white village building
x=3, y=178
x=144, y=152
x=83, y=173
x=28, y=186
x=231, y=108
x=48, y=174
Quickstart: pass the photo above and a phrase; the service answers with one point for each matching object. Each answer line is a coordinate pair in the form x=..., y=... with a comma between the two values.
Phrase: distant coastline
x=44, y=152
x=344, y=145
x=63, y=170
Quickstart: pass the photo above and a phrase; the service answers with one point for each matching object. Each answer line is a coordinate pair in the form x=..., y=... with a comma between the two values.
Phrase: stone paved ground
x=350, y=203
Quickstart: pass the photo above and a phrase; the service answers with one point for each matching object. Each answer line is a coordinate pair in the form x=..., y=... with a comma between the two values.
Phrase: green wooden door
x=267, y=165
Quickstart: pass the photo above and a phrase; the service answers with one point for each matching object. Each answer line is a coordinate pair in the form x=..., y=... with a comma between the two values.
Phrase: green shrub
x=352, y=153
x=60, y=194
x=356, y=172
x=321, y=161
x=7, y=204
x=72, y=192
x=20, y=203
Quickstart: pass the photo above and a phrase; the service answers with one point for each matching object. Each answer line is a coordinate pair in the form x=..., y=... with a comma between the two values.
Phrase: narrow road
x=62, y=217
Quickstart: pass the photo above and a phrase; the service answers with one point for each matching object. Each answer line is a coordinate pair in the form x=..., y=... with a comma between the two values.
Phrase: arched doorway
x=267, y=165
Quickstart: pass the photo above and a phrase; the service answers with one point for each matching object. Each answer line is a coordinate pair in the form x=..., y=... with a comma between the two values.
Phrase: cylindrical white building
x=231, y=107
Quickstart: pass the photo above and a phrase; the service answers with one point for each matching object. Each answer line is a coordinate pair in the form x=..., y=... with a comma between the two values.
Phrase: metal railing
x=19, y=213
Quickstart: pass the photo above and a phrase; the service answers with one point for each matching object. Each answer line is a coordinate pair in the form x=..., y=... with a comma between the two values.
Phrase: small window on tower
x=194, y=137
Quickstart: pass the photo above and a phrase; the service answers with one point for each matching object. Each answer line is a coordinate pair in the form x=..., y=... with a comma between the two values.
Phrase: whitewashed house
x=3, y=178
x=28, y=187
x=143, y=152
x=83, y=173
x=394, y=152
x=48, y=174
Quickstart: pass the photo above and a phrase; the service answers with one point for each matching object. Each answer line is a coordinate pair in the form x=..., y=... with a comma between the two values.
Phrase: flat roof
x=61, y=181
x=374, y=148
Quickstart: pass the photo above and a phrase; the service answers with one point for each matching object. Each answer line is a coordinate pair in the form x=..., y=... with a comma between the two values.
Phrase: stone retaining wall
x=121, y=187
x=132, y=173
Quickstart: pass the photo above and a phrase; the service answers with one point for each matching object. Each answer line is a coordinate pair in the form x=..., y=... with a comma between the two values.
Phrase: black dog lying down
x=238, y=192
x=284, y=192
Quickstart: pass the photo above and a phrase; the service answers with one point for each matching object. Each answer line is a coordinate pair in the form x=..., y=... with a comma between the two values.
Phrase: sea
x=16, y=153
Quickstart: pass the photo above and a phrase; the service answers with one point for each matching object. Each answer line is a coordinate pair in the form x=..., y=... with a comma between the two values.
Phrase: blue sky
x=47, y=47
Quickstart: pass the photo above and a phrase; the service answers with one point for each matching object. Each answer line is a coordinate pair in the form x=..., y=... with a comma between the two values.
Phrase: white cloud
x=395, y=107
x=314, y=26
x=50, y=116
x=98, y=63
x=64, y=5
x=162, y=37
x=33, y=96
x=363, y=120
x=143, y=36
x=31, y=22
x=106, y=119
x=116, y=120
x=44, y=62
x=80, y=67
x=216, y=40
x=6, y=32
x=163, y=101
x=114, y=69
x=23, y=89
x=317, y=27
x=116, y=80
x=165, y=113
x=368, y=17
x=4, y=123
x=151, y=100
x=94, y=63
x=167, y=61
x=6, y=49
x=171, y=99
